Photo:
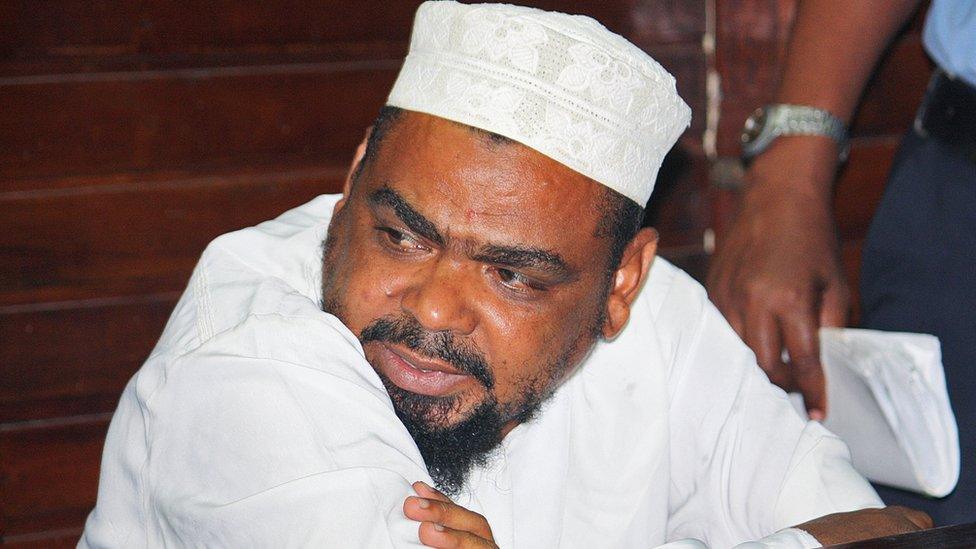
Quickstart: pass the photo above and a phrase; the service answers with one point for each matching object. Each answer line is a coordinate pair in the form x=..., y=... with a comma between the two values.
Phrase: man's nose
x=438, y=297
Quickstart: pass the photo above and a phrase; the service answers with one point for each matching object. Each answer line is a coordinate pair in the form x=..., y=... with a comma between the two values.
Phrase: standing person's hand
x=776, y=276
x=445, y=524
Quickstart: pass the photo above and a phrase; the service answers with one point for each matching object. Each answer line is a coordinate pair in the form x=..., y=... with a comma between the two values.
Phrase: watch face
x=754, y=126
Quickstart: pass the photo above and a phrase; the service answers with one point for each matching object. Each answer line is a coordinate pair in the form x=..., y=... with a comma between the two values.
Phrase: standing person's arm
x=777, y=276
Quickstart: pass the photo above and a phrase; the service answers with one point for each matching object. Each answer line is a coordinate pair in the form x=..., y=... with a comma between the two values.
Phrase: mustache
x=407, y=331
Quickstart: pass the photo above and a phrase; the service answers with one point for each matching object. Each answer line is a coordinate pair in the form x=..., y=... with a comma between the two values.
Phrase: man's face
x=470, y=270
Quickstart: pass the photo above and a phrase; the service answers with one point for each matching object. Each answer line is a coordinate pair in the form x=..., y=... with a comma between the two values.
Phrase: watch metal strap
x=783, y=119
x=804, y=120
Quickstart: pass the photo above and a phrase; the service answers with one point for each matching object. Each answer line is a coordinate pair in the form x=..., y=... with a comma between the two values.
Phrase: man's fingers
x=808, y=378
x=803, y=344
x=447, y=513
x=445, y=537
x=916, y=517
x=835, y=302
x=734, y=319
x=763, y=337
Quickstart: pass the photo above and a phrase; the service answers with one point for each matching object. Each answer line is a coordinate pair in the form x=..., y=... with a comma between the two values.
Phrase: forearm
x=833, y=49
x=832, y=52
x=776, y=274
x=865, y=524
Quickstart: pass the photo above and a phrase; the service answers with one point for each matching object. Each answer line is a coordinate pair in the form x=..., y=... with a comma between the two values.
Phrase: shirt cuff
x=789, y=538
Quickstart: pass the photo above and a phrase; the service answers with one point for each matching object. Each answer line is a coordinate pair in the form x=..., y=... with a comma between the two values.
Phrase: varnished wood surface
x=50, y=473
x=156, y=119
x=53, y=381
x=136, y=239
x=960, y=536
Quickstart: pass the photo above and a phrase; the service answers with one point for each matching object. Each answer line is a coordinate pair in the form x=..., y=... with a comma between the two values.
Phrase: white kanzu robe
x=257, y=422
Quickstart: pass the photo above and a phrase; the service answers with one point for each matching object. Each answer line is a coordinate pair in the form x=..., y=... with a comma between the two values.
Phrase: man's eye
x=397, y=239
x=514, y=280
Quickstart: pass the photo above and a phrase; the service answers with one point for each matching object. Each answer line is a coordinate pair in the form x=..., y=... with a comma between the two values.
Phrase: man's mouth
x=420, y=375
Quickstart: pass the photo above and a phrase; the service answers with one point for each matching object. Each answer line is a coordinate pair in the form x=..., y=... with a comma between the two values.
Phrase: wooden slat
x=76, y=358
x=49, y=474
x=751, y=38
x=216, y=105
x=110, y=123
x=34, y=30
x=81, y=36
x=65, y=538
x=77, y=64
x=662, y=23
x=163, y=120
x=135, y=239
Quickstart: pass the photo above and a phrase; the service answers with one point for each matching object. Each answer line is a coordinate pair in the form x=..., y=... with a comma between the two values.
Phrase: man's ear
x=628, y=279
x=356, y=160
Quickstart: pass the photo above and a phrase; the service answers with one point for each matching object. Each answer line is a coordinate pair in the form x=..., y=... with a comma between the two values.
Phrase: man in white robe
x=478, y=320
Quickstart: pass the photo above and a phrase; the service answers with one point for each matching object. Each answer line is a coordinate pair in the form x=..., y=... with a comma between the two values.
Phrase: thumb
x=809, y=379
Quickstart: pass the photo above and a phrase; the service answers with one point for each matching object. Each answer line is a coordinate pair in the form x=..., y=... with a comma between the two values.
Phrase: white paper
x=886, y=397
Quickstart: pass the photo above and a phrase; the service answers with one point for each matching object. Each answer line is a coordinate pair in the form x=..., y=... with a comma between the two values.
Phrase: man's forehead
x=491, y=138
x=438, y=150
x=475, y=219
x=448, y=166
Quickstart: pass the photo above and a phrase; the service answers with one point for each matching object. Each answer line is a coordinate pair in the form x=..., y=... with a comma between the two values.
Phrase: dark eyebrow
x=516, y=257
x=519, y=257
x=416, y=222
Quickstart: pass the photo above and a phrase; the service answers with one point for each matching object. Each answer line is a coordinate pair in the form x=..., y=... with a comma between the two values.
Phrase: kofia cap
x=561, y=84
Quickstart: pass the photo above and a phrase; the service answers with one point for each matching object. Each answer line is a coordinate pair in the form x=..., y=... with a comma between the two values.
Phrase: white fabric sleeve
x=790, y=538
x=257, y=452
x=744, y=465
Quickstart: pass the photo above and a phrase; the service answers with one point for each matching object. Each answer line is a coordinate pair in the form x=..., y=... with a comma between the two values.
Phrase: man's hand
x=777, y=278
x=444, y=524
x=866, y=524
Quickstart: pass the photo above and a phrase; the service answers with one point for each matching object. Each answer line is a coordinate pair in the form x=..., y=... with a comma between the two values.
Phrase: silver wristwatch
x=772, y=121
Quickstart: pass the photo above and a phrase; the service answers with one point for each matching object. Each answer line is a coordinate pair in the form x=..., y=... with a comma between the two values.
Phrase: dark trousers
x=919, y=275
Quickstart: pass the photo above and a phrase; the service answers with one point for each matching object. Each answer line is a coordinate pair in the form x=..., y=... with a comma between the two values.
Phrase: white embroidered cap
x=561, y=84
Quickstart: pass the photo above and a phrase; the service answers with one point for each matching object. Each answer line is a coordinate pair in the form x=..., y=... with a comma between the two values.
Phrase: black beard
x=450, y=451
